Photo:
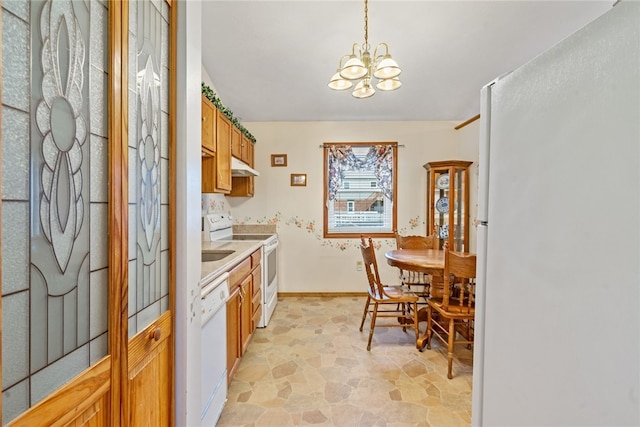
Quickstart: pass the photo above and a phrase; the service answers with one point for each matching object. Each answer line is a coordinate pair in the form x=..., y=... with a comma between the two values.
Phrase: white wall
x=309, y=263
x=206, y=78
x=467, y=149
x=188, y=182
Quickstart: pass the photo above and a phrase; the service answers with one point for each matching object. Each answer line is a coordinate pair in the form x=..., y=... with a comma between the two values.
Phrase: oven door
x=269, y=280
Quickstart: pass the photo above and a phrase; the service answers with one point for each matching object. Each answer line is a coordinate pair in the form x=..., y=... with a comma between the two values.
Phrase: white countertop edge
x=212, y=269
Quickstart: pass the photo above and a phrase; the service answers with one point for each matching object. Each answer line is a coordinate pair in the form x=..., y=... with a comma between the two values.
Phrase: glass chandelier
x=360, y=67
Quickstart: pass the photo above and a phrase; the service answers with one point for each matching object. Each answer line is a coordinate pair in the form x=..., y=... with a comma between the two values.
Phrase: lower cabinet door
x=233, y=332
x=246, y=313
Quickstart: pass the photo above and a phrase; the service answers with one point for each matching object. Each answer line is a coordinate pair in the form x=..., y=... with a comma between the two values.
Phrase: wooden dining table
x=428, y=261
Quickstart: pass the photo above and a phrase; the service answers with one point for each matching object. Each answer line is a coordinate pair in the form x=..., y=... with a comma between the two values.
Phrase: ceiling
x=272, y=60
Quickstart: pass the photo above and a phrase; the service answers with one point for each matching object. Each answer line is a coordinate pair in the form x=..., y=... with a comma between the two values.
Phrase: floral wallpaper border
x=309, y=226
x=218, y=203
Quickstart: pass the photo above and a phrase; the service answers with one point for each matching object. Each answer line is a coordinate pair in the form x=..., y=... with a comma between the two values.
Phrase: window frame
x=394, y=217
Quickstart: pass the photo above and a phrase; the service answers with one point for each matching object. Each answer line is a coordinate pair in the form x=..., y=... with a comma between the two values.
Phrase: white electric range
x=219, y=227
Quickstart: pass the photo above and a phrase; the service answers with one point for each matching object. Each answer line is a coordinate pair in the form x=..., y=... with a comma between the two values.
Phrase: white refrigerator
x=558, y=295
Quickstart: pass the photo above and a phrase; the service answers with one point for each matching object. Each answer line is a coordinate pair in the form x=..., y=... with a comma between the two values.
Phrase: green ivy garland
x=211, y=96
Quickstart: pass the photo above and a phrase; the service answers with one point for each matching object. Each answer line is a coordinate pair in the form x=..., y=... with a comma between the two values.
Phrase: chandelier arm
x=355, y=47
x=375, y=52
x=340, y=62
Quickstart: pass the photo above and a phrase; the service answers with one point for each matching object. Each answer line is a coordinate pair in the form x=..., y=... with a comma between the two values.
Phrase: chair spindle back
x=416, y=242
x=460, y=280
x=371, y=265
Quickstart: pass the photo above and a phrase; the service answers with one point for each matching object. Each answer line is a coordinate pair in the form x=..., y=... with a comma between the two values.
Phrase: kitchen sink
x=215, y=255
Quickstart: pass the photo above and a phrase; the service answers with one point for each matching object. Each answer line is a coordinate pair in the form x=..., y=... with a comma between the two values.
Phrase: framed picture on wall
x=278, y=160
x=298, y=179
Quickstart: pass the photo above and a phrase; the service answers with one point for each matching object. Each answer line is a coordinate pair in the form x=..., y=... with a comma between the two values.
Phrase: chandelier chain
x=366, y=24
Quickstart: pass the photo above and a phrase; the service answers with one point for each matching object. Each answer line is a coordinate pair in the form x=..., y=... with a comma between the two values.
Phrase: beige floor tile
x=310, y=366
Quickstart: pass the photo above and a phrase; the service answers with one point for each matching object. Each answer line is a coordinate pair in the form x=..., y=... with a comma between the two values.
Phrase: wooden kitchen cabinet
x=236, y=143
x=242, y=186
x=247, y=151
x=246, y=313
x=216, y=169
x=208, y=126
x=256, y=283
x=242, y=147
x=448, y=202
x=210, y=182
x=241, y=308
x=233, y=332
x=257, y=296
x=223, y=152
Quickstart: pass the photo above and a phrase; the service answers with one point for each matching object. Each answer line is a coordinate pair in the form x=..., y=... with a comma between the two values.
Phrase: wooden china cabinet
x=448, y=202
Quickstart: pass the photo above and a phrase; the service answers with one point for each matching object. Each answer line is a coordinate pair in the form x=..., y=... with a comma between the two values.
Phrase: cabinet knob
x=156, y=334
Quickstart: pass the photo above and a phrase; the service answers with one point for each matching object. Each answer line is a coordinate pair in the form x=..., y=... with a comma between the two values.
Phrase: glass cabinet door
x=447, y=203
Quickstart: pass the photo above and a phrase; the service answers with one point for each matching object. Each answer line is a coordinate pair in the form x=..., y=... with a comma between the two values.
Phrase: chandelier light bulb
x=353, y=69
x=363, y=89
x=387, y=68
x=389, y=84
x=338, y=83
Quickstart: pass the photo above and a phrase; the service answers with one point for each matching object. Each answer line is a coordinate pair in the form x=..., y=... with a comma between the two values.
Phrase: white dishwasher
x=213, y=356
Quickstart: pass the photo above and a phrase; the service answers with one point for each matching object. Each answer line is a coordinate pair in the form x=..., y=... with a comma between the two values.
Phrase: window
x=351, y=205
x=360, y=189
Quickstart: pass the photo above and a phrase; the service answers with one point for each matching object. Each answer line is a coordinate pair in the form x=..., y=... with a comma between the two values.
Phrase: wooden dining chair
x=418, y=282
x=452, y=315
x=398, y=305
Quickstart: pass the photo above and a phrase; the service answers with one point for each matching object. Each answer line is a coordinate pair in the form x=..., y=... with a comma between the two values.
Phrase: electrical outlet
x=359, y=265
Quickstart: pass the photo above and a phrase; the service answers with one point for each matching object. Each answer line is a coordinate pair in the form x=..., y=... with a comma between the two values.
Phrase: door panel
x=150, y=360
x=150, y=323
x=83, y=401
x=149, y=163
x=55, y=285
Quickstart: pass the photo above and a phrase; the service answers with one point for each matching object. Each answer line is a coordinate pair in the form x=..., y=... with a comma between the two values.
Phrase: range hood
x=240, y=168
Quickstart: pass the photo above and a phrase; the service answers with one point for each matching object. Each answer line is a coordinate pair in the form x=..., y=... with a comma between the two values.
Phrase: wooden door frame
x=118, y=208
x=173, y=63
x=119, y=166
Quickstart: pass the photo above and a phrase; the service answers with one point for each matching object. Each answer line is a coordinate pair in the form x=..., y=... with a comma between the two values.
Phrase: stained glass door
x=150, y=317
x=85, y=212
x=55, y=277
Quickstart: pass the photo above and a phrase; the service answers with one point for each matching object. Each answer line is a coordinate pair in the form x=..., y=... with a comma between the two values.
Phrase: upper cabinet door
x=208, y=126
x=236, y=142
x=247, y=151
x=223, y=153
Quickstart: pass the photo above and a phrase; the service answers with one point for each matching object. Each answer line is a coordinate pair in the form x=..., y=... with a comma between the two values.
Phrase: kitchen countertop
x=212, y=269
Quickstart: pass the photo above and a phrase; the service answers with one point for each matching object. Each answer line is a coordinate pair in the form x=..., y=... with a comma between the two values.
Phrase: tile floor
x=310, y=366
